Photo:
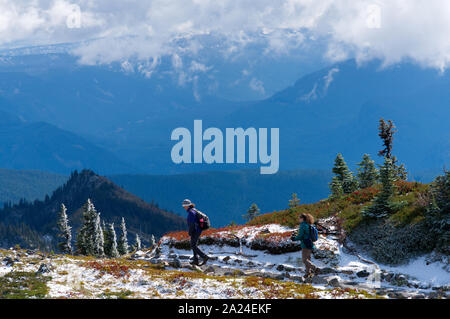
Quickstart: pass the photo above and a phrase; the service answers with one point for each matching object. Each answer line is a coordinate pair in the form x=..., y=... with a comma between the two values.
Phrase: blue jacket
x=192, y=221
x=304, y=233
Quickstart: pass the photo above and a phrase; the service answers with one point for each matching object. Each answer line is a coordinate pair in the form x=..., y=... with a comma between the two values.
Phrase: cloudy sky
x=118, y=30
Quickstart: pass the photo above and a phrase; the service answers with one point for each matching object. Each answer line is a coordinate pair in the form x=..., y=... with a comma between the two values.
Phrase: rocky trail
x=245, y=262
x=266, y=251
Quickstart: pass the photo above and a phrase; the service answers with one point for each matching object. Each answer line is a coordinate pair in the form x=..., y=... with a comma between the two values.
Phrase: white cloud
x=257, y=85
x=121, y=30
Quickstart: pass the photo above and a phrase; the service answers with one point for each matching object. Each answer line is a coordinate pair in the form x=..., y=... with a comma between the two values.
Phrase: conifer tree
x=367, y=172
x=252, y=212
x=87, y=239
x=111, y=242
x=152, y=241
x=438, y=213
x=344, y=175
x=336, y=188
x=382, y=204
x=65, y=231
x=137, y=246
x=386, y=133
x=99, y=238
x=123, y=241
x=294, y=201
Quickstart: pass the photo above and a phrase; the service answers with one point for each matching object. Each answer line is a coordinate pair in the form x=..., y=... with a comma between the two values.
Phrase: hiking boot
x=204, y=261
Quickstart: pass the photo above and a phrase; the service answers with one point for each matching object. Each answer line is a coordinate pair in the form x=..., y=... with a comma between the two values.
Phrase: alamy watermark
x=373, y=16
x=73, y=20
x=235, y=144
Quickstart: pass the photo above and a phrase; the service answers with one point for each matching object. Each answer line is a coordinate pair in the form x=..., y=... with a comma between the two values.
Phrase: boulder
x=334, y=282
x=175, y=263
x=327, y=270
x=210, y=269
x=363, y=273
x=45, y=268
x=317, y=280
x=280, y=268
x=8, y=261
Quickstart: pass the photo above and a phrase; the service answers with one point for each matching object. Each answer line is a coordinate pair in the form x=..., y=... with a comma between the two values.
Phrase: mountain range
x=113, y=202
x=87, y=114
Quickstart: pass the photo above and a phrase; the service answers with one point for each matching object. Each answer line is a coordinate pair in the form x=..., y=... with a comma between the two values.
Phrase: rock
x=334, y=282
x=381, y=292
x=172, y=255
x=250, y=264
x=8, y=261
x=350, y=283
x=327, y=270
x=418, y=296
x=44, y=268
x=289, y=268
x=226, y=258
x=234, y=272
x=184, y=257
x=398, y=295
x=176, y=263
x=296, y=278
x=143, y=282
x=363, y=273
x=210, y=269
x=399, y=280
x=317, y=280
x=273, y=276
x=213, y=257
x=253, y=273
x=280, y=268
x=346, y=271
x=433, y=295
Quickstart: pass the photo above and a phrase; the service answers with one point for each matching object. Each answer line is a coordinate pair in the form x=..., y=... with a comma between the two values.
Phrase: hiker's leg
x=197, y=250
x=306, y=258
x=194, y=242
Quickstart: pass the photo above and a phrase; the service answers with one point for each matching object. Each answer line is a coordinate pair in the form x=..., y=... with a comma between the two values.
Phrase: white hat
x=186, y=203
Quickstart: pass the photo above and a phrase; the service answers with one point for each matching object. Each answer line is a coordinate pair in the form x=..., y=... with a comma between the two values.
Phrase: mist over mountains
x=58, y=115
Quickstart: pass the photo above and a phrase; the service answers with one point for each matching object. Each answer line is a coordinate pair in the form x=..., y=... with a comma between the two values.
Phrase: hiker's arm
x=299, y=235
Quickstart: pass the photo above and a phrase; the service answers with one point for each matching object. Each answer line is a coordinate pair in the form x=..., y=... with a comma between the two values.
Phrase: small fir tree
x=367, y=172
x=382, y=205
x=252, y=212
x=123, y=241
x=344, y=175
x=152, y=241
x=138, y=245
x=111, y=242
x=294, y=201
x=65, y=231
x=87, y=238
x=336, y=188
x=99, y=238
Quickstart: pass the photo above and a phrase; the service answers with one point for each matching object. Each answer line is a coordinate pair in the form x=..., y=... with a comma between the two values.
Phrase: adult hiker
x=306, y=234
x=194, y=231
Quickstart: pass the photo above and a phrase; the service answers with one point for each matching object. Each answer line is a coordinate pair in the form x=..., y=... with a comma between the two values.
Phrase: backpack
x=203, y=220
x=313, y=233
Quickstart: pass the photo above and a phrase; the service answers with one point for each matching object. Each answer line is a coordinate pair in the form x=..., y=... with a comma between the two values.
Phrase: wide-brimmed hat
x=186, y=203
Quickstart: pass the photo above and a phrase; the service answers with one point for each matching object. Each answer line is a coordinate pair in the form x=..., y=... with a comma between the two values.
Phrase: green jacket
x=303, y=233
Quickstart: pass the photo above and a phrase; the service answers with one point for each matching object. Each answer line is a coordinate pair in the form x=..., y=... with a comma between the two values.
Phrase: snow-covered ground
x=77, y=277
x=234, y=271
x=349, y=268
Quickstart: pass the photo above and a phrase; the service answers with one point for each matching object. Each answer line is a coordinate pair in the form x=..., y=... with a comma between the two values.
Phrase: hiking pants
x=194, y=245
x=306, y=258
